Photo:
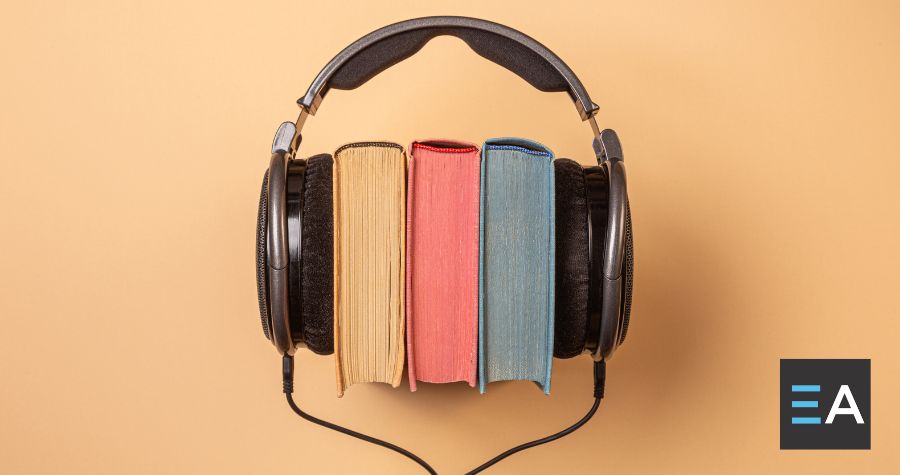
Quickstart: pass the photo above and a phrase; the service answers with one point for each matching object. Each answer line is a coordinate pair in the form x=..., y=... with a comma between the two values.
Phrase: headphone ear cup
x=261, y=283
x=572, y=260
x=596, y=181
x=317, y=251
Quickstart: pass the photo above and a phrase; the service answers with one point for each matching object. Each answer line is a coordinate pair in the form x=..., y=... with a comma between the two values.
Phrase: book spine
x=442, y=261
x=369, y=181
x=516, y=262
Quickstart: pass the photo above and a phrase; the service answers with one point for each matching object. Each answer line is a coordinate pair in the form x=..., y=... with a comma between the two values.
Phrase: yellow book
x=369, y=263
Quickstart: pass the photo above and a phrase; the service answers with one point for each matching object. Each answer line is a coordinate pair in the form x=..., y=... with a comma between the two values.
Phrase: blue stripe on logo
x=806, y=420
x=805, y=388
x=804, y=403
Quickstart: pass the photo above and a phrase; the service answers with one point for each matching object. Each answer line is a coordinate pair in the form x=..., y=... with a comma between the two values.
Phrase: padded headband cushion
x=572, y=259
x=317, y=282
x=261, y=285
x=514, y=56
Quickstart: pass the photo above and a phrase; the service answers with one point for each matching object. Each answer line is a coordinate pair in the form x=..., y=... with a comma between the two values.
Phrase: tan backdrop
x=761, y=143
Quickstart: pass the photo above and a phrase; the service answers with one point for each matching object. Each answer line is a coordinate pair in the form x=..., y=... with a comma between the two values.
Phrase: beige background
x=761, y=142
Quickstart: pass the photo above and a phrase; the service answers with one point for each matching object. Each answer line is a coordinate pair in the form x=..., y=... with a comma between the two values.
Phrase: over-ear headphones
x=594, y=246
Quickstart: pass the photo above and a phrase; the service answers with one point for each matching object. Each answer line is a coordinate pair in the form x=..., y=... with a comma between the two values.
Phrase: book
x=442, y=262
x=369, y=248
x=516, y=282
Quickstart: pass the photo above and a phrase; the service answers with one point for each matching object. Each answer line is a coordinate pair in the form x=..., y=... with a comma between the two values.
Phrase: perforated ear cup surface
x=572, y=260
x=261, y=286
x=317, y=249
x=628, y=270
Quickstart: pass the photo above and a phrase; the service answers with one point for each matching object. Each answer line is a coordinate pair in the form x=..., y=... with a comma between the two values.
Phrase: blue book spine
x=516, y=263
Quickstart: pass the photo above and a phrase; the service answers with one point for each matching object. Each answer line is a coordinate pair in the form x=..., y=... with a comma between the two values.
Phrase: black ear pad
x=572, y=260
x=596, y=181
x=317, y=249
x=261, y=285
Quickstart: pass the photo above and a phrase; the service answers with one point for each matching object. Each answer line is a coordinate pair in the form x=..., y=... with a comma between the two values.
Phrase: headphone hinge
x=298, y=126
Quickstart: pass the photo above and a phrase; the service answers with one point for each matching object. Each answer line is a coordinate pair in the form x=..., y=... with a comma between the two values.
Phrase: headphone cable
x=288, y=387
x=599, y=385
x=287, y=380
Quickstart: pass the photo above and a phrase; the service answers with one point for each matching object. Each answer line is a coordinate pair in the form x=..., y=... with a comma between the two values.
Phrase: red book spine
x=442, y=262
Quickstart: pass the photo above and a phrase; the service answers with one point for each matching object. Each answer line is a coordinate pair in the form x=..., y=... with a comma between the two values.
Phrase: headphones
x=594, y=249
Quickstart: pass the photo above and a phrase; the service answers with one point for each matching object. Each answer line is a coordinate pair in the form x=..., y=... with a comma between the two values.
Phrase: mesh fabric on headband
x=389, y=51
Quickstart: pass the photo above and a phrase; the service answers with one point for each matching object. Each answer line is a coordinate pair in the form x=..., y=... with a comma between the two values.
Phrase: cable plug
x=599, y=378
x=287, y=374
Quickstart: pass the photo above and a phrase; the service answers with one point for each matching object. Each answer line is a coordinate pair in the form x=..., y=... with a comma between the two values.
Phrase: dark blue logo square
x=825, y=404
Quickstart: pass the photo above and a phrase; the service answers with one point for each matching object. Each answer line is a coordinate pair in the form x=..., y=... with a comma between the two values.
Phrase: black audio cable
x=287, y=380
x=599, y=385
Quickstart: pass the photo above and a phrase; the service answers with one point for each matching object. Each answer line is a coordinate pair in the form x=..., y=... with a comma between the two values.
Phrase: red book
x=442, y=262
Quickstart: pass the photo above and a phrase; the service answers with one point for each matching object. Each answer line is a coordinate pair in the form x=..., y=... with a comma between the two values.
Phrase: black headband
x=385, y=47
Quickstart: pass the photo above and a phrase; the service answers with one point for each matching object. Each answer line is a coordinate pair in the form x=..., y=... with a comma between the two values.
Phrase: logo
x=825, y=404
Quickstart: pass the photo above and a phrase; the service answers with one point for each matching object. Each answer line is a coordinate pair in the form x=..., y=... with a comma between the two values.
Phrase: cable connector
x=287, y=374
x=599, y=378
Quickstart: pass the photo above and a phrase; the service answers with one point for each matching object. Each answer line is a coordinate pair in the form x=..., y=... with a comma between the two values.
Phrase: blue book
x=516, y=263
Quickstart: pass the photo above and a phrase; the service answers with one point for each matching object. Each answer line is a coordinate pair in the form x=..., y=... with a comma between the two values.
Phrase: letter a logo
x=844, y=393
